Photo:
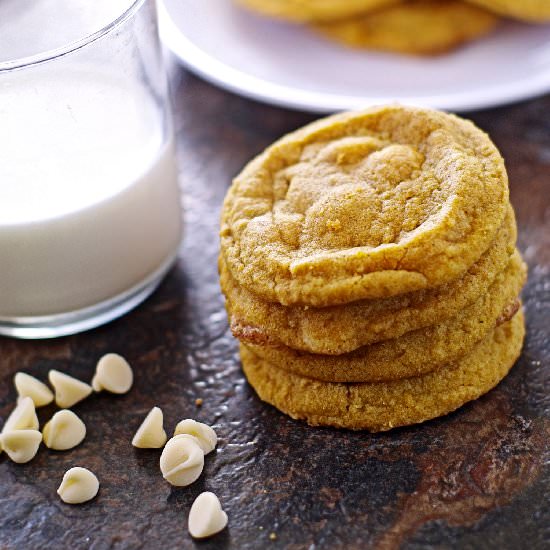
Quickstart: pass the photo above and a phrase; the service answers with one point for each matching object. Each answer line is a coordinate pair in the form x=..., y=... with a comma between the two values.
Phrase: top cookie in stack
x=367, y=250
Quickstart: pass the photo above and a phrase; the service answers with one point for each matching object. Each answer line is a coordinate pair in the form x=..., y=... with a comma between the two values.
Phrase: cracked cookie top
x=364, y=205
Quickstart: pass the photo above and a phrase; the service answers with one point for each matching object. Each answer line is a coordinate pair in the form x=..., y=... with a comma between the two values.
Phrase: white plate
x=288, y=65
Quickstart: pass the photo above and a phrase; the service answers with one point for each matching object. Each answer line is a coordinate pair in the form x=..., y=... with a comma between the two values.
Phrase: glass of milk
x=90, y=215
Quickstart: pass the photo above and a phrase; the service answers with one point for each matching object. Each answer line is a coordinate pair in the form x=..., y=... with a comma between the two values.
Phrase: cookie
x=528, y=10
x=313, y=10
x=341, y=329
x=414, y=353
x=382, y=406
x=418, y=27
x=364, y=205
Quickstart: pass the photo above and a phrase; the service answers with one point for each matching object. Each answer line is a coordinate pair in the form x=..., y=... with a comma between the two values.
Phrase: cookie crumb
x=272, y=536
x=198, y=401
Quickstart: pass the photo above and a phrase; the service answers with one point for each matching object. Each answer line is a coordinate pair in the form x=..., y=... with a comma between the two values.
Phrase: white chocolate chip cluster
x=181, y=464
x=20, y=437
x=181, y=460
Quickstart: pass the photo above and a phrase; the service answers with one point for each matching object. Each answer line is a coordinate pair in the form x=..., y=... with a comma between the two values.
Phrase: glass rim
x=49, y=55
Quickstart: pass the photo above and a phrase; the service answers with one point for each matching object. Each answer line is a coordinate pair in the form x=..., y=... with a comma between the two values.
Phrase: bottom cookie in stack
x=385, y=405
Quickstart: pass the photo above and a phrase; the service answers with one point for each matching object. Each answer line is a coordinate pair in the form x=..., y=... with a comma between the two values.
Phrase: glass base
x=63, y=324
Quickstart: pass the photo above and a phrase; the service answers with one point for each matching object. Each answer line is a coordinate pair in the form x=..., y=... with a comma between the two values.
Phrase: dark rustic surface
x=474, y=479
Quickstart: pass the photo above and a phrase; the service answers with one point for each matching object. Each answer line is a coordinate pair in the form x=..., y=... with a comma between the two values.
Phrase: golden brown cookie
x=420, y=27
x=382, y=406
x=414, y=353
x=363, y=205
x=341, y=329
x=528, y=10
x=313, y=10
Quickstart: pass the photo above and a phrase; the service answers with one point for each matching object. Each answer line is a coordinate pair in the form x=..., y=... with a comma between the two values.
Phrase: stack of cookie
x=421, y=27
x=370, y=272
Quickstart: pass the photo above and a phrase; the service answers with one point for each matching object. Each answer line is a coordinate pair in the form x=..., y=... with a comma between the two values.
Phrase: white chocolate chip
x=114, y=374
x=204, y=433
x=151, y=434
x=188, y=436
x=78, y=485
x=21, y=445
x=68, y=390
x=23, y=417
x=181, y=461
x=64, y=431
x=29, y=386
x=206, y=517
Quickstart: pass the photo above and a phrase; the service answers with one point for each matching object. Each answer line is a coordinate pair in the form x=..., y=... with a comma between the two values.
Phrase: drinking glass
x=90, y=215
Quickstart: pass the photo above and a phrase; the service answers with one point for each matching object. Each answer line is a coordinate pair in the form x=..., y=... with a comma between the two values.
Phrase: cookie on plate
x=340, y=329
x=385, y=405
x=418, y=27
x=364, y=205
x=536, y=11
x=313, y=10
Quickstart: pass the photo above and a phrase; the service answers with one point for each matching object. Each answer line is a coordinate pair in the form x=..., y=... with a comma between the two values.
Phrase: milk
x=89, y=201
